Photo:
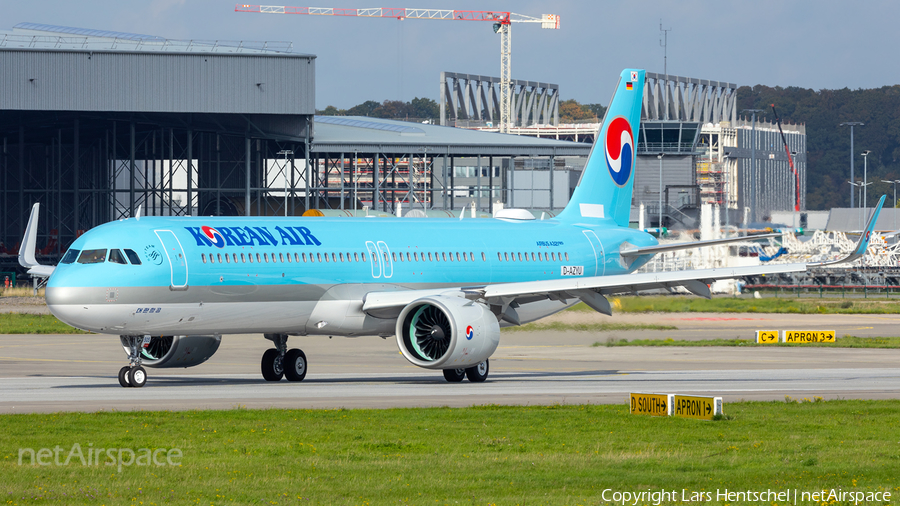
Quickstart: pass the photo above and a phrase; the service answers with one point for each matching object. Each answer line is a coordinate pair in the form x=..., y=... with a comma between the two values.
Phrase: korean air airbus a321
x=171, y=288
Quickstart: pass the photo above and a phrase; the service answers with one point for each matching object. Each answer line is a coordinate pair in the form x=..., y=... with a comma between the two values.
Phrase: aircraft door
x=373, y=258
x=177, y=261
x=592, y=238
x=387, y=266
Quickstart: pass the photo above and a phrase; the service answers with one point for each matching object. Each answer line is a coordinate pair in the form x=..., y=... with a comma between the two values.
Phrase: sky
x=818, y=44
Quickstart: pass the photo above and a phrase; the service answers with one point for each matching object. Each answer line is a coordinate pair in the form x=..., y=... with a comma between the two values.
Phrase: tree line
x=421, y=109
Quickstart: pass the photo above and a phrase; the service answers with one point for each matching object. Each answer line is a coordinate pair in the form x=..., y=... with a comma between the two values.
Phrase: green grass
x=16, y=323
x=587, y=327
x=840, y=342
x=724, y=304
x=479, y=455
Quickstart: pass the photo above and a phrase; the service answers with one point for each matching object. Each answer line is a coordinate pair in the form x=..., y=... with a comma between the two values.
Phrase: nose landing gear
x=280, y=362
x=133, y=375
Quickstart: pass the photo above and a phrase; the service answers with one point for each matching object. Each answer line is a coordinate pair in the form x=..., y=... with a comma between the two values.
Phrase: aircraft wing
x=590, y=289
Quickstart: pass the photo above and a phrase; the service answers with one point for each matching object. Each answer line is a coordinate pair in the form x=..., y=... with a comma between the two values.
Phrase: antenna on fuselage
x=137, y=215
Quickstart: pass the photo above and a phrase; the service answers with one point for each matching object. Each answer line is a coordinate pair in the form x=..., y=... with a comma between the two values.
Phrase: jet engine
x=177, y=351
x=447, y=332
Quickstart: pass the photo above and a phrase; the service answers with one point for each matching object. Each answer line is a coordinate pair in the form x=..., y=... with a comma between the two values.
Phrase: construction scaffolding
x=472, y=101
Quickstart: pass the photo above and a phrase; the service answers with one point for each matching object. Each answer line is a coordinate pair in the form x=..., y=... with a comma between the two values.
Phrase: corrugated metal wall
x=774, y=181
x=157, y=82
x=677, y=171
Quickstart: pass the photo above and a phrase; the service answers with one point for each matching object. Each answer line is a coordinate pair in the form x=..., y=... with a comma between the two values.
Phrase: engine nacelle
x=447, y=332
x=177, y=351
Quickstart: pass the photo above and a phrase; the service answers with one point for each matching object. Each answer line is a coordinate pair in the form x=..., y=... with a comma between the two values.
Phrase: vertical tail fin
x=604, y=190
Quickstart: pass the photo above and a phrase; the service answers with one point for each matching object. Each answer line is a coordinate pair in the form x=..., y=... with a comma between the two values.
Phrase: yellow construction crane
x=502, y=23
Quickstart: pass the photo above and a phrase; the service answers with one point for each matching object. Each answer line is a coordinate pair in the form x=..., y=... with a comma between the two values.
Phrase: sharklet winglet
x=27, y=257
x=863, y=244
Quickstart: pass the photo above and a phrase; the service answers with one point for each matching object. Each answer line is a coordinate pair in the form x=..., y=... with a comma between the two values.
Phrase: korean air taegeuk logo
x=619, y=150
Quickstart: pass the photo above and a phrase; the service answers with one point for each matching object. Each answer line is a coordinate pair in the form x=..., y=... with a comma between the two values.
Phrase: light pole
x=894, y=182
x=865, y=155
x=753, y=164
x=851, y=124
x=860, y=187
x=660, y=156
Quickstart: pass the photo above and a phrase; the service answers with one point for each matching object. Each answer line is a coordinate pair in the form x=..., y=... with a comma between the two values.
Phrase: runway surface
x=46, y=373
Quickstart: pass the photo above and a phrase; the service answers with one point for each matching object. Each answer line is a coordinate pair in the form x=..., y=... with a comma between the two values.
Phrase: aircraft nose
x=71, y=308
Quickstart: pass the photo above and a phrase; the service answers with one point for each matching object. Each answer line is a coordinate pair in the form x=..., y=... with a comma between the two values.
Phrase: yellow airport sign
x=700, y=408
x=809, y=336
x=766, y=336
x=651, y=404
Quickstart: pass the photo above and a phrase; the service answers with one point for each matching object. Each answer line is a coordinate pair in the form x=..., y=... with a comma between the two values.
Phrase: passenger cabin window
x=70, y=256
x=133, y=257
x=92, y=256
x=116, y=257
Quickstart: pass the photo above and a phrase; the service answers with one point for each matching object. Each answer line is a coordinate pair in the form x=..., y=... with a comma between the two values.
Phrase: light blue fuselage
x=310, y=275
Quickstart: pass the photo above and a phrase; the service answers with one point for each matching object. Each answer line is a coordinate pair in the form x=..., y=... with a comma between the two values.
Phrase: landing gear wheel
x=295, y=365
x=123, y=376
x=272, y=368
x=478, y=373
x=137, y=376
x=454, y=375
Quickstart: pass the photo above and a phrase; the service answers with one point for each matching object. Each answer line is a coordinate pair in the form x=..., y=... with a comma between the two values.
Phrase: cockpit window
x=70, y=256
x=135, y=259
x=115, y=256
x=92, y=256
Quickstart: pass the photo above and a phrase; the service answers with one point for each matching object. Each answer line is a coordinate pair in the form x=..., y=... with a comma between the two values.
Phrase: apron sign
x=701, y=408
x=809, y=336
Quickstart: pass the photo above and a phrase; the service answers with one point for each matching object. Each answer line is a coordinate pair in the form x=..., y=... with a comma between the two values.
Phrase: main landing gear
x=476, y=374
x=133, y=375
x=281, y=362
